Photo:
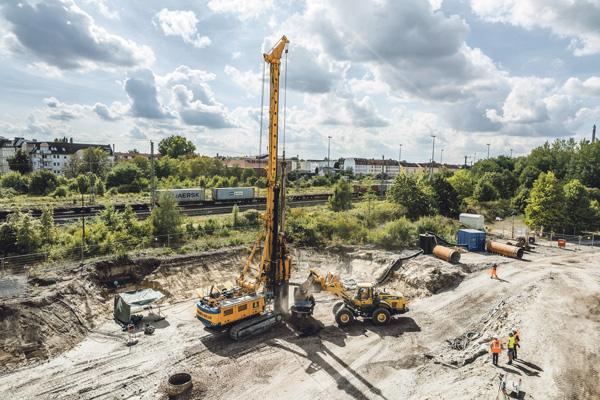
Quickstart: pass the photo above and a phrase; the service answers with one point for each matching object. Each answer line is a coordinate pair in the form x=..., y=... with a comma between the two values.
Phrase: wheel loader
x=358, y=300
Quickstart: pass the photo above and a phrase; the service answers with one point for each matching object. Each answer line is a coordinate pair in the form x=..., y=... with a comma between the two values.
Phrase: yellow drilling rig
x=252, y=306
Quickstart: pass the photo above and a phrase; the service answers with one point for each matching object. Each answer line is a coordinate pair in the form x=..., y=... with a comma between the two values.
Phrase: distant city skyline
x=378, y=77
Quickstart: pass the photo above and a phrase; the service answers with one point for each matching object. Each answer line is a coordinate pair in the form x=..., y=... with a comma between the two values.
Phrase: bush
x=60, y=191
x=16, y=181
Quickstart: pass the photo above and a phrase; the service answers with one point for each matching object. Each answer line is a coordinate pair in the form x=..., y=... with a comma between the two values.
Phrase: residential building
x=8, y=148
x=258, y=165
x=54, y=155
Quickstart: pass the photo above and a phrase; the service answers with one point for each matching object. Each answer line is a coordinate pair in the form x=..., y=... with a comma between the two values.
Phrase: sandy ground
x=552, y=297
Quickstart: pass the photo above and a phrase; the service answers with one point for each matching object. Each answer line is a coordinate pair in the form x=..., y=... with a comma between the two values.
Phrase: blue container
x=474, y=239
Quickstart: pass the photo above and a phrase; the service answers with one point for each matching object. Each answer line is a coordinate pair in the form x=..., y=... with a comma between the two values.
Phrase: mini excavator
x=253, y=306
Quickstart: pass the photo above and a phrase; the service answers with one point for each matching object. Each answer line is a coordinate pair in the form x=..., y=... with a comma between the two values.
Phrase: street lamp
x=400, y=154
x=511, y=153
x=328, y=154
x=432, y=151
x=488, y=145
x=475, y=158
x=442, y=158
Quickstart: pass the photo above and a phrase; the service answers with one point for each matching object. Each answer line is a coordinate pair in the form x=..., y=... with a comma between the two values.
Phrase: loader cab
x=363, y=296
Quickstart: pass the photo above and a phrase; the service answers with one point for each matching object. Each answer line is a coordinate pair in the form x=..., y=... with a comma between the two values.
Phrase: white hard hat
x=514, y=329
x=496, y=337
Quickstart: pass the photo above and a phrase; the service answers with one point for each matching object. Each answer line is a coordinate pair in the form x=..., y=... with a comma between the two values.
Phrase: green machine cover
x=125, y=301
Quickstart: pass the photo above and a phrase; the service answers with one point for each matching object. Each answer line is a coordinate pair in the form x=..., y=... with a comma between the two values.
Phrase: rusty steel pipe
x=447, y=254
x=505, y=249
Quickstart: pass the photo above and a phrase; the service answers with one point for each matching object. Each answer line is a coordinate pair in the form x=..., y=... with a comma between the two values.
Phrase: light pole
x=488, y=145
x=432, y=152
x=328, y=154
x=511, y=153
x=442, y=158
x=513, y=229
x=475, y=158
x=400, y=154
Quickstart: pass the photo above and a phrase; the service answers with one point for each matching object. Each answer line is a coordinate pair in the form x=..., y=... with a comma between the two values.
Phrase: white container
x=474, y=221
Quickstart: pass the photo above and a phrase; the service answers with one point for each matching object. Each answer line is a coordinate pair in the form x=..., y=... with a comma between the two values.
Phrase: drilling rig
x=253, y=306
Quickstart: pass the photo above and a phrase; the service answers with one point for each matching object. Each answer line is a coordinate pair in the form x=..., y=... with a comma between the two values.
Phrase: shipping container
x=474, y=221
x=237, y=193
x=472, y=238
x=183, y=195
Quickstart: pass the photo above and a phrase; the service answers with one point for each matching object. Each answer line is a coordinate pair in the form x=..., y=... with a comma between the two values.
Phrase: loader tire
x=381, y=316
x=337, y=307
x=344, y=317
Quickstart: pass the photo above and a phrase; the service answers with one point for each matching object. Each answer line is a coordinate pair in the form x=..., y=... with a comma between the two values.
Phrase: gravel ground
x=552, y=296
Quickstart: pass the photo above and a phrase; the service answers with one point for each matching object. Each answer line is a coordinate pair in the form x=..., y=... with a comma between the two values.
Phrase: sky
x=361, y=78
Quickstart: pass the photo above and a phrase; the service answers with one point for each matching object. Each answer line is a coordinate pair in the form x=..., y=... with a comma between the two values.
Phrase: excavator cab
x=363, y=296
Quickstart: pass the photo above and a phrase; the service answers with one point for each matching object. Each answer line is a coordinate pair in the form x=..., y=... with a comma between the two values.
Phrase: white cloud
x=60, y=34
x=198, y=113
x=103, y=8
x=183, y=24
x=141, y=90
x=344, y=109
x=588, y=88
x=576, y=19
x=114, y=113
x=525, y=103
x=61, y=111
x=244, y=10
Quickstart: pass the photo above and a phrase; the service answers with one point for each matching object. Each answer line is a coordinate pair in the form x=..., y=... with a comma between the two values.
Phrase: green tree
x=529, y=175
x=175, y=146
x=235, y=213
x=546, y=205
x=42, y=180
x=143, y=164
x=19, y=161
x=585, y=164
x=406, y=192
x=578, y=206
x=166, y=217
x=27, y=235
x=341, y=199
x=249, y=173
x=463, y=184
x=16, y=181
x=47, y=228
x=94, y=160
x=485, y=191
x=110, y=217
x=71, y=168
x=127, y=177
x=519, y=202
x=445, y=195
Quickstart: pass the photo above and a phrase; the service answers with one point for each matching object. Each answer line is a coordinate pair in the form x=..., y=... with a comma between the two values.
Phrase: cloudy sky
x=373, y=75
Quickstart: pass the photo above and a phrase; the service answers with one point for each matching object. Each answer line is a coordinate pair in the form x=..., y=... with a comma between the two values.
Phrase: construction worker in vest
x=511, y=347
x=494, y=267
x=517, y=340
x=496, y=347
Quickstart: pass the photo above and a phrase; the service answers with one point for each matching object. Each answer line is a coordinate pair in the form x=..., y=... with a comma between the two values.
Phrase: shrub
x=61, y=191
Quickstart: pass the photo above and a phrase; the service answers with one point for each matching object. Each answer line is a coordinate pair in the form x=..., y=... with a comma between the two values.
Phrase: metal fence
x=64, y=258
x=582, y=239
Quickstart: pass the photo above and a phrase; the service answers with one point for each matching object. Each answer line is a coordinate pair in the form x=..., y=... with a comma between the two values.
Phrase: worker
x=517, y=340
x=494, y=267
x=496, y=347
x=511, y=347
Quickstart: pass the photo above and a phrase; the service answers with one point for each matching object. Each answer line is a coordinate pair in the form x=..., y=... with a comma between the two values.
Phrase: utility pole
x=328, y=154
x=442, y=159
x=475, y=158
x=152, y=194
x=511, y=153
x=466, y=160
x=432, y=152
x=488, y=145
x=381, y=186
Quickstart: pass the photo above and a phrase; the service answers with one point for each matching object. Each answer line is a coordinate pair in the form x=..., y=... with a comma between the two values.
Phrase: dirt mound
x=427, y=275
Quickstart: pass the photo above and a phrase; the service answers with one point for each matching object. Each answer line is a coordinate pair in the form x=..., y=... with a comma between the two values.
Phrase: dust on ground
x=552, y=297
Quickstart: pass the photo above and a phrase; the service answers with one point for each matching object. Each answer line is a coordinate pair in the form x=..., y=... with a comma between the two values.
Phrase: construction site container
x=562, y=243
x=244, y=193
x=183, y=195
x=474, y=221
x=474, y=239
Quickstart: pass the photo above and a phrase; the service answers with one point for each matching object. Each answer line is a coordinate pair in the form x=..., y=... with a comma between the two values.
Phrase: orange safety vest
x=517, y=338
x=496, y=347
x=511, y=342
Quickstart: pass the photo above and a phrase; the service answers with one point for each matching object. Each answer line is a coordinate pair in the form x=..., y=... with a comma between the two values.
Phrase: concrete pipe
x=447, y=254
x=505, y=249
